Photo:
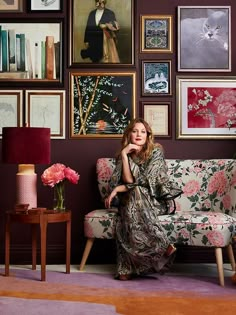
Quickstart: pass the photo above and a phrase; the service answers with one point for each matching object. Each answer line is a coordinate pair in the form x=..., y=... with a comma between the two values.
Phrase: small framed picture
x=158, y=116
x=46, y=109
x=206, y=107
x=156, y=33
x=45, y=5
x=11, y=6
x=102, y=103
x=204, y=38
x=10, y=109
x=156, y=77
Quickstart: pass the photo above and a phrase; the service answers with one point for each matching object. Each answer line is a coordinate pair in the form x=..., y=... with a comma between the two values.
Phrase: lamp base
x=26, y=185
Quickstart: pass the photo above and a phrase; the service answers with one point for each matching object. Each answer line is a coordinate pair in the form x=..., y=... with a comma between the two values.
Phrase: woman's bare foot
x=124, y=277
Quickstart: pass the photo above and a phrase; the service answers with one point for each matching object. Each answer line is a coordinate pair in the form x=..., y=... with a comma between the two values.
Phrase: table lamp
x=26, y=146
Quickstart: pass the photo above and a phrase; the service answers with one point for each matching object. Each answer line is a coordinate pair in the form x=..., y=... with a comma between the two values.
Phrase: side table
x=41, y=218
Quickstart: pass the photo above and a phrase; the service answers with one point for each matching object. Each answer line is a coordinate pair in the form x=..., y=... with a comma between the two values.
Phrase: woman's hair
x=148, y=147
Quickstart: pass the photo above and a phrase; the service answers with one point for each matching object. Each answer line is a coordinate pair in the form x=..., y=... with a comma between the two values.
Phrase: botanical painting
x=204, y=39
x=207, y=107
x=102, y=104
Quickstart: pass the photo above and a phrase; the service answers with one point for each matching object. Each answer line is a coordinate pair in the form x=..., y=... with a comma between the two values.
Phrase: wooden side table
x=41, y=218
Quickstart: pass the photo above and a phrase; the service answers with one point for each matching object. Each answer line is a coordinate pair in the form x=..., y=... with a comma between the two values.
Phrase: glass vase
x=59, y=197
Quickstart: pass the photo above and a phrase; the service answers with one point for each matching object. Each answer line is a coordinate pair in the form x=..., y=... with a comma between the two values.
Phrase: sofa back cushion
x=208, y=185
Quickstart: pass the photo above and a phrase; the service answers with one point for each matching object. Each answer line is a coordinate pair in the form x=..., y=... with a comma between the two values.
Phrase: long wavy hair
x=148, y=147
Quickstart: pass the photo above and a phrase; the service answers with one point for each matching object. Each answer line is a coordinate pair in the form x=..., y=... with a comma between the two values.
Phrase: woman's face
x=138, y=135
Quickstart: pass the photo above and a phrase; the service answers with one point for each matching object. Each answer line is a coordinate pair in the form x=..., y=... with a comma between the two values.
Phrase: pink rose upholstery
x=205, y=212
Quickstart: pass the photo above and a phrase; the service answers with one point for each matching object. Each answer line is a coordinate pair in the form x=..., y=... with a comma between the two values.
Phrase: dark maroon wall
x=82, y=154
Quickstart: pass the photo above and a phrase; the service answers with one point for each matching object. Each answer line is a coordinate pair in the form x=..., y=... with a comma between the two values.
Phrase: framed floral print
x=206, y=107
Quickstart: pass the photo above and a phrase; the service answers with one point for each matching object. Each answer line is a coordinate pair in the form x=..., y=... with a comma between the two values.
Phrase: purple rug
x=83, y=293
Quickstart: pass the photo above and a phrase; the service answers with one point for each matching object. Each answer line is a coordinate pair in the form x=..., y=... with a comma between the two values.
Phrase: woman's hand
x=131, y=148
x=109, y=199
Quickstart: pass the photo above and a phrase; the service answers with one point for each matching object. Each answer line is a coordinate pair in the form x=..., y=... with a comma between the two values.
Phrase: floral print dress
x=141, y=240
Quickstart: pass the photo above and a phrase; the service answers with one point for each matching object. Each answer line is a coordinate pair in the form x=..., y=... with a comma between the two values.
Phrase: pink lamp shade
x=26, y=146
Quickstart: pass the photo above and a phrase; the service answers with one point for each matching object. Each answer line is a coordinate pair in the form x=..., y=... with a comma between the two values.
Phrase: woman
x=138, y=183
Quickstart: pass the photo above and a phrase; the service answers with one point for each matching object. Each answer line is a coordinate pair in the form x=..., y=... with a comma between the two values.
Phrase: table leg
x=68, y=245
x=7, y=245
x=43, y=238
x=34, y=245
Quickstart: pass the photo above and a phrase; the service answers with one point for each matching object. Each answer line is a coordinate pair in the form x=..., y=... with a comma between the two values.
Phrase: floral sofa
x=205, y=212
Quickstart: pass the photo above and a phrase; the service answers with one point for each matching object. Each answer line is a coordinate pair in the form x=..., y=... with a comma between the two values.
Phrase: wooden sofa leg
x=231, y=256
x=219, y=261
x=87, y=250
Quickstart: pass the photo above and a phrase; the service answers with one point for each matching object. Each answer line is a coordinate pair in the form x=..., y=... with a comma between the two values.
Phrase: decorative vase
x=59, y=197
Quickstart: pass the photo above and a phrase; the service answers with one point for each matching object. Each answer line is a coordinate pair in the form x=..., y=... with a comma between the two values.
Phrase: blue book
x=22, y=52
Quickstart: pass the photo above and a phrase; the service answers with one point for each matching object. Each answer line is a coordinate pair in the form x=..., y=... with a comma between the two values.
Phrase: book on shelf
x=12, y=49
x=29, y=65
x=22, y=52
x=13, y=75
x=50, y=57
x=43, y=60
x=5, y=51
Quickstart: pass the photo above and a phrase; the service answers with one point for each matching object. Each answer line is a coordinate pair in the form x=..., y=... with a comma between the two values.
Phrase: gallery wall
x=81, y=153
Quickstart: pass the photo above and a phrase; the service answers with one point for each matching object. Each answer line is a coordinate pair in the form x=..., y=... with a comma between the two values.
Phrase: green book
x=43, y=60
x=22, y=52
x=5, y=51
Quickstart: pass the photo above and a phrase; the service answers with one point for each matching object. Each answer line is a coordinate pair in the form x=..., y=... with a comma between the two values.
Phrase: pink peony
x=217, y=183
x=57, y=173
x=71, y=175
x=191, y=188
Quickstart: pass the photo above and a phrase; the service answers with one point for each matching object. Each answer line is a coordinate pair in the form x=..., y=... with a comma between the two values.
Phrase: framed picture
x=206, y=107
x=45, y=5
x=156, y=33
x=102, y=104
x=109, y=43
x=157, y=114
x=46, y=109
x=10, y=109
x=204, y=38
x=11, y=6
x=31, y=51
x=156, y=77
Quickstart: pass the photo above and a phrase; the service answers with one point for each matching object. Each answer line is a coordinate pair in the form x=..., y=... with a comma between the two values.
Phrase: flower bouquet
x=56, y=176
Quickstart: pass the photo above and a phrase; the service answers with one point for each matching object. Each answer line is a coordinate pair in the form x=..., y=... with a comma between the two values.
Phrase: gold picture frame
x=158, y=116
x=16, y=6
x=101, y=103
x=81, y=15
x=156, y=33
x=206, y=107
x=46, y=108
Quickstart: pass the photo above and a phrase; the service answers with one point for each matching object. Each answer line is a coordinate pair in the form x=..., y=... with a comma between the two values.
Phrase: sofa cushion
x=185, y=228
